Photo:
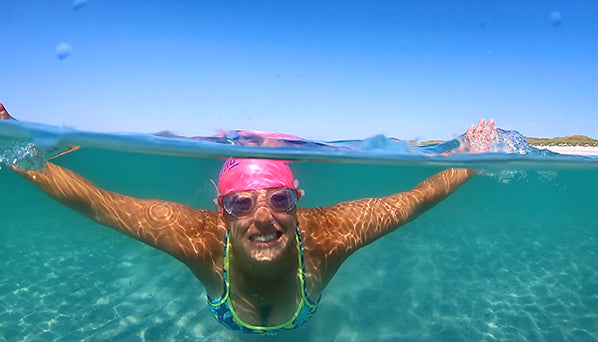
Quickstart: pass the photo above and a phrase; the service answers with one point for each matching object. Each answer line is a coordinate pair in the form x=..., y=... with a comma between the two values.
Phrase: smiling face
x=257, y=198
x=262, y=233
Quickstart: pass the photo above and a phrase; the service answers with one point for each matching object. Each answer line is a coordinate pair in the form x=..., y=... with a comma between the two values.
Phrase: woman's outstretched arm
x=341, y=229
x=173, y=227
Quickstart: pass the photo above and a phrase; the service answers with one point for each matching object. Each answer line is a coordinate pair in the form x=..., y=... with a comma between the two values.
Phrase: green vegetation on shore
x=573, y=140
x=425, y=143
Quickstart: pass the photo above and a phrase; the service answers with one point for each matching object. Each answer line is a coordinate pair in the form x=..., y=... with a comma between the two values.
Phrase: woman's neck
x=253, y=271
x=267, y=293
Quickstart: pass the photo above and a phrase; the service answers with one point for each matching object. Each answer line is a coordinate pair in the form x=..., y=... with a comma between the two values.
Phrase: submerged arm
x=172, y=227
x=379, y=216
x=337, y=231
x=374, y=217
x=341, y=229
x=184, y=232
x=365, y=220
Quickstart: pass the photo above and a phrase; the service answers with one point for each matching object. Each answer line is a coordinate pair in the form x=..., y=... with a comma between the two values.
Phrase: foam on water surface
x=509, y=148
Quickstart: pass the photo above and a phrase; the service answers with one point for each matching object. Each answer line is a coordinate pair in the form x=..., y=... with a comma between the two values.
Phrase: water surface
x=512, y=255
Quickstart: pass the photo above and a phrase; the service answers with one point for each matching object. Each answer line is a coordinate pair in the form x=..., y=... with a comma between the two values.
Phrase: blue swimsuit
x=222, y=308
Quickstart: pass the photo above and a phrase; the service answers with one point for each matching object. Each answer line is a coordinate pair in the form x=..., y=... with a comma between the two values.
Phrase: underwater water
x=512, y=255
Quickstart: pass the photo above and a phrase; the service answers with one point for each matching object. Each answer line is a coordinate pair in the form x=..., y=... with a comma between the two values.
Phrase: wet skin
x=264, y=285
x=263, y=261
x=263, y=235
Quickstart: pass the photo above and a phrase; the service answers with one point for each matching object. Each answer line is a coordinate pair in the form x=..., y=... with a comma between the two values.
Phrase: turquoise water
x=512, y=255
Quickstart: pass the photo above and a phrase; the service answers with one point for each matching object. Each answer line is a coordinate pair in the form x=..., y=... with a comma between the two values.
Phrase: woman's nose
x=263, y=215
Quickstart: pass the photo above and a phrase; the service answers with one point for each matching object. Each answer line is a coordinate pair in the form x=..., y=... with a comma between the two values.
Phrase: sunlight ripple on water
x=509, y=256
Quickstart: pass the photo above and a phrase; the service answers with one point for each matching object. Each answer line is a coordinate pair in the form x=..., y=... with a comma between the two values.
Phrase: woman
x=263, y=261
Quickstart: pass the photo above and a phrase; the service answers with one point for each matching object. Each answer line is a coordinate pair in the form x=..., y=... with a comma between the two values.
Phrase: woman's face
x=263, y=232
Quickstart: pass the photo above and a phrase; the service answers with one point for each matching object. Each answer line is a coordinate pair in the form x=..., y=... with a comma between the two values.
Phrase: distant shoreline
x=574, y=144
x=576, y=150
x=572, y=140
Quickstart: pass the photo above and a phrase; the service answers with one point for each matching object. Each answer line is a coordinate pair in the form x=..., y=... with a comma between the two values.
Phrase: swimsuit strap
x=225, y=294
x=305, y=309
x=302, y=279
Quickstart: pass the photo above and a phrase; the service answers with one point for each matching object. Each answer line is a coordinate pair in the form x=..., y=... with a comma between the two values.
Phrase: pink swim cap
x=253, y=174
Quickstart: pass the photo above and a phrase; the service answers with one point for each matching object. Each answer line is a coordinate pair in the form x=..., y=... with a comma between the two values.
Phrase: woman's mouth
x=265, y=238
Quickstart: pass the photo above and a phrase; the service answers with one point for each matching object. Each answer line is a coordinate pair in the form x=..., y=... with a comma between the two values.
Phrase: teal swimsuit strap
x=305, y=300
x=302, y=279
x=226, y=292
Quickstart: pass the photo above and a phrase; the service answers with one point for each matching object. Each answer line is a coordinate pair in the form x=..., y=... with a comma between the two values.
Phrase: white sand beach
x=577, y=150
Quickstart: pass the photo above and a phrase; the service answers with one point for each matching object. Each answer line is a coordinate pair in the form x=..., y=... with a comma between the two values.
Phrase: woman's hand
x=51, y=153
x=4, y=114
x=479, y=139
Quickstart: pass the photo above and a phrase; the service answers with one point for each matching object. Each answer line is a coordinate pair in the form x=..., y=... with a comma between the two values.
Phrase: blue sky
x=318, y=69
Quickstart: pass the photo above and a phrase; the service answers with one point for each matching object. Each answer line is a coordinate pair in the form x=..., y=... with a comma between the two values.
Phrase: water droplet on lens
x=77, y=4
x=63, y=50
x=556, y=18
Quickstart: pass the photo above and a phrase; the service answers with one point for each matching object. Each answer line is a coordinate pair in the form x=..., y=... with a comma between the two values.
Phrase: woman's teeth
x=264, y=238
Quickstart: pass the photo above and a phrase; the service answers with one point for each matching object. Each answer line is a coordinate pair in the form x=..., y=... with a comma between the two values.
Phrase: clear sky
x=318, y=69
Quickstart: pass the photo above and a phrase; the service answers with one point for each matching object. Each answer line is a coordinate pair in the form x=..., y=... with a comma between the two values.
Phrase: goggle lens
x=242, y=203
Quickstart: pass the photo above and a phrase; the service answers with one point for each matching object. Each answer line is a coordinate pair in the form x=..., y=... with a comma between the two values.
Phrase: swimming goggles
x=241, y=203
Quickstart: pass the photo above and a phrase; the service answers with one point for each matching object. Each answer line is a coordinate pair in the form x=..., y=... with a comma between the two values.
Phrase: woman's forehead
x=258, y=191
